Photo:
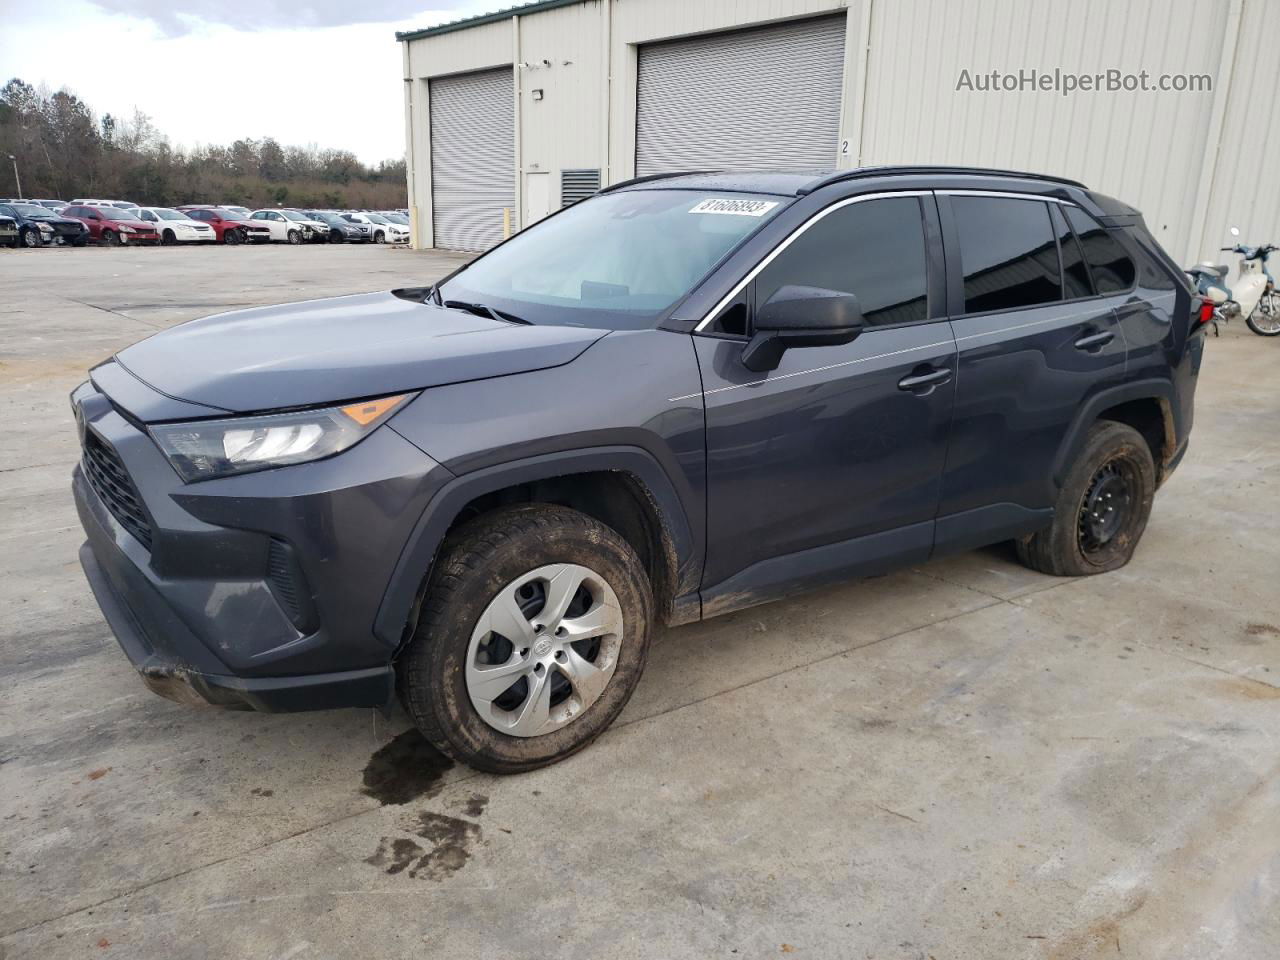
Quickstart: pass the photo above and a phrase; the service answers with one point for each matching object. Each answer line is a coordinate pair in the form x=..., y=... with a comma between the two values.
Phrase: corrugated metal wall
x=899, y=102
x=1246, y=182
x=1145, y=148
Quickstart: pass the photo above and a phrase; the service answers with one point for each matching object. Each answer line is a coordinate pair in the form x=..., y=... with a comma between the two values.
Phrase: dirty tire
x=1063, y=549
x=478, y=561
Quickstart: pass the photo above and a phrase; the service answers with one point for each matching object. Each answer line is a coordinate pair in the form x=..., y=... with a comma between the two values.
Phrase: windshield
x=164, y=213
x=32, y=210
x=617, y=260
x=330, y=218
x=292, y=215
x=376, y=218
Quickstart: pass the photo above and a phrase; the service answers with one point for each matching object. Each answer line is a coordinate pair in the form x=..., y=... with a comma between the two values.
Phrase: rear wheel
x=1102, y=508
x=533, y=635
x=1265, y=319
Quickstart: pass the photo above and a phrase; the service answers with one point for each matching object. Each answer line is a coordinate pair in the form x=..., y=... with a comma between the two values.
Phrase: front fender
x=420, y=550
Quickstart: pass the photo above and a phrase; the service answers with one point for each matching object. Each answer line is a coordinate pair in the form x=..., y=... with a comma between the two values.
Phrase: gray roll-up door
x=759, y=99
x=472, y=158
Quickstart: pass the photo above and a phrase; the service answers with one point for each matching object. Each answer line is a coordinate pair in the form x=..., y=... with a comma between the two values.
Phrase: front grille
x=111, y=481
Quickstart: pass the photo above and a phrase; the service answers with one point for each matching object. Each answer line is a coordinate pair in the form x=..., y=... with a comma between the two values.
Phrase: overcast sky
x=211, y=71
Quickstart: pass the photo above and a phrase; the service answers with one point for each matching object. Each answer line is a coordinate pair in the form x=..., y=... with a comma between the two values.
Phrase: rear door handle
x=919, y=381
x=1093, y=341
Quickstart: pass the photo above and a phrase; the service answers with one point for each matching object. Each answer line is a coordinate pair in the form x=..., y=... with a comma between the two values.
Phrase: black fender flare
x=1149, y=389
x=402, y=592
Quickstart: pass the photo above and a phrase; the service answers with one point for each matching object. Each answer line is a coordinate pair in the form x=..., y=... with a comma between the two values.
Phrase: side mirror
x=797, y=316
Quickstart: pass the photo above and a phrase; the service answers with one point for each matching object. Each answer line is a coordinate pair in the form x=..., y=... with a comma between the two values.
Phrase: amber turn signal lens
x=367, y=411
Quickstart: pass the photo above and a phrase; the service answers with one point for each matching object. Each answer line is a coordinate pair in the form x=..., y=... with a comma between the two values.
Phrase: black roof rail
x=894, y=170
x=652, y=176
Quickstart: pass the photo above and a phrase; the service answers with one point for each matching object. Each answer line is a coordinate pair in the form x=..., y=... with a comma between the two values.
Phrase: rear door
x=831, y=464
x=1035, y=340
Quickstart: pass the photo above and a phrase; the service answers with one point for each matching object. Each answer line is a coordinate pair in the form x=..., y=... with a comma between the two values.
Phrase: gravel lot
x=963, y=760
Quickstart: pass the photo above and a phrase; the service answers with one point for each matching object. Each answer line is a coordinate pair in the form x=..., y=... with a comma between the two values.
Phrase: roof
x=519, y=10
x=799, y=183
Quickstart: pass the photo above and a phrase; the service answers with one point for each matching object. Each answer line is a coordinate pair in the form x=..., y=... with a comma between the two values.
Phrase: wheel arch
x=624, y=487
x=1145, y=405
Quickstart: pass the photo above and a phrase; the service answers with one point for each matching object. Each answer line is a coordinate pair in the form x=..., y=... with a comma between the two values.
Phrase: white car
x=289, y=226
x=173, y=226
x=381, y=229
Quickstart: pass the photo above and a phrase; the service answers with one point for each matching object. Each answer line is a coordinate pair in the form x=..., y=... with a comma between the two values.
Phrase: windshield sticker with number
x=741, y=208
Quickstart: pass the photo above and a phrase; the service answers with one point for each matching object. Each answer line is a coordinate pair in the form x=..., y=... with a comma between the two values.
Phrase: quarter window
x=1007, y=252
x=1111, y=267
x=873, y=249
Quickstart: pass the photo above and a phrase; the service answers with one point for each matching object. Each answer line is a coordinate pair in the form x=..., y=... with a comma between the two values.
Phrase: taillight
x=1206, y=311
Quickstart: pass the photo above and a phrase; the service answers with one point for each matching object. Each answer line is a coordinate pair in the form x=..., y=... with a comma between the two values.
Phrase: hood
x=342, y=348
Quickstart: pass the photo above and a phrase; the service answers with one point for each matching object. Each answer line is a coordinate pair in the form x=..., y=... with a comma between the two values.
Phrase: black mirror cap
x=797, y=316
x=795, y=308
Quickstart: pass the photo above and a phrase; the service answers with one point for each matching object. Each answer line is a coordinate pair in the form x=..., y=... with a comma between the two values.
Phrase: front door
x=830, y=465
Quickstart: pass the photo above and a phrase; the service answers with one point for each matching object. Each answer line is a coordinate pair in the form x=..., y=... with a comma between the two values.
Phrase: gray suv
x=683, y=396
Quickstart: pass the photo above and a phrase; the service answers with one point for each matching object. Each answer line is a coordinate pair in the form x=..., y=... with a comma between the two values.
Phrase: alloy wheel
x=544, y=649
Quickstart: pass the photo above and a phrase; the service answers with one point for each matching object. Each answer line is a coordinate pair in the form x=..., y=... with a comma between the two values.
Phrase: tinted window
x=873, y=249
x=1074, y=272
x=1111, y=267
x=1007, y=252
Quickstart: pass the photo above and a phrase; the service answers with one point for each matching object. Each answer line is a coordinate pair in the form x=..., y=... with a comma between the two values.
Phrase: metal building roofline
x=479, y=19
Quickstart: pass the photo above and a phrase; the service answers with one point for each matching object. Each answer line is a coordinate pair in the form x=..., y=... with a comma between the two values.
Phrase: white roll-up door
x=758, y=99
x=472, y=158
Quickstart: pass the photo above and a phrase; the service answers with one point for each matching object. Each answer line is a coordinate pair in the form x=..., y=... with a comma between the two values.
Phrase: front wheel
x=533, y=635
x=295, y=237
x=30, y=238
x=379, y=237
x=1102, y=508
x=1265, y=319
x=110, y=238
x=231, y=237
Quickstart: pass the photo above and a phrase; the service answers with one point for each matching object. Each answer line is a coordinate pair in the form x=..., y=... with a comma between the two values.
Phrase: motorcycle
x=1254, y=295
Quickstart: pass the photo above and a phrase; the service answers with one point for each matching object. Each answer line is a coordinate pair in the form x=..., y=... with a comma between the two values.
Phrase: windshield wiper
x=484, y=310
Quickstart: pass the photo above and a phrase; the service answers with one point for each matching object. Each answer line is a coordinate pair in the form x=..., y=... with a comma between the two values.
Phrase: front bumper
x=194, y=586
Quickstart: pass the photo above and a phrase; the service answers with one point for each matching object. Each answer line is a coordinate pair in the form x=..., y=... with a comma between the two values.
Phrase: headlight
x=44, y=227
x=124, y=228
x=200, y=450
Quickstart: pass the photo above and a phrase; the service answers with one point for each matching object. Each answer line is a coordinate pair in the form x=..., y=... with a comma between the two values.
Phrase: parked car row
x=34, y=223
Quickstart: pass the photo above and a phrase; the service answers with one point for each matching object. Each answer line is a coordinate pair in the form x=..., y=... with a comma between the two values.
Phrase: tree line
x=64, y=150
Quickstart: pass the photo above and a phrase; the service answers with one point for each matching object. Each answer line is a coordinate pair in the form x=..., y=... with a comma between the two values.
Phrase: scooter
x=1254, y=295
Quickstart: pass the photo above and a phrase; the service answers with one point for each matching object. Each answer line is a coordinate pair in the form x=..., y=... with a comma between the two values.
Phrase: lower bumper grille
x=111, y=482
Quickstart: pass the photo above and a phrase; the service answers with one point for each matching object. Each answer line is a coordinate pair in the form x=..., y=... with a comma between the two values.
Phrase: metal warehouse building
x=514, y=114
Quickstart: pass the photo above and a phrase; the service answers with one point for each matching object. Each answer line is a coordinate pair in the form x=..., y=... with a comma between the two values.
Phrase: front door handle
x=1095, y=341
x=925, y=379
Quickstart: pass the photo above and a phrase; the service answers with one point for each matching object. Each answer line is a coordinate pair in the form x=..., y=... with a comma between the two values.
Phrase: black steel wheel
x=231, y=237
x=1102, y=507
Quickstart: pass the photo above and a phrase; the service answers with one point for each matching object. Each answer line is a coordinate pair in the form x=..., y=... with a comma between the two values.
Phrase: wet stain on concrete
x=476, y=804
x=1257, y=632
x=1247, y=689
x=447, y=850
x=407, y=768
x=262, y=792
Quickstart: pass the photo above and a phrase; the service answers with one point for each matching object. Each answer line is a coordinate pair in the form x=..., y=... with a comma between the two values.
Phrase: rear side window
x=1075, y=274
x=1007, y=252
x=873, y=249
x=1112, y=270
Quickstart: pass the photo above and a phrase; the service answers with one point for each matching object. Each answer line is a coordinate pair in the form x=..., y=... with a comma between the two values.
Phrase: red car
x=228, y=226
x=112, y=225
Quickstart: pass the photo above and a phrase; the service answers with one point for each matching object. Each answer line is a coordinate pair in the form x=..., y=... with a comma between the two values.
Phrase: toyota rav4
x=683, y=396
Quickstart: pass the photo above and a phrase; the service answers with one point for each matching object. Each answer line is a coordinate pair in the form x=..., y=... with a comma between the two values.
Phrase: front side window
x=1112, y=270
x=1007, y=253
x=616, y=261
x=873, y=249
